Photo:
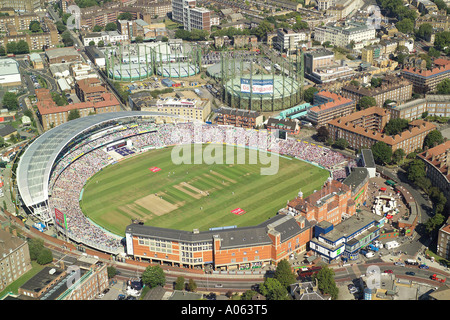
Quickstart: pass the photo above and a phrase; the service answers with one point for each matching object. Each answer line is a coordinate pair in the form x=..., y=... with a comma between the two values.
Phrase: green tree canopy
x=97, y=28
x=443, y=87
x=326, y=283
x=395, y=126
x=284, y=274
x=35, y=26
x=73, y=114
x=10, y=101
x=180, y=283
x=272, y=289
x=366, y=102
x=382, y=153
x=45, y=256
x=125, y=16
x=433, y=139
x=405, y=26
x=415, y=170
x=424, y=31
x=309, y=94
x=111, y=26
x=154, y=276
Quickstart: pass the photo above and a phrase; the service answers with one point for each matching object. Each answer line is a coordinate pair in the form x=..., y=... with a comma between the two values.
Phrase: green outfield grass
x=126, y=190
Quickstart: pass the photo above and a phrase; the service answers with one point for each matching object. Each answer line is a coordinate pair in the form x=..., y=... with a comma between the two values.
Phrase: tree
x=366, y=102
x=398, y=156
x=382, y=153
x=192, y=285
x=323, y=134
x=125, y=16
x=10, y=101
x=154, y=276
x=272, y=289
x=45, y=256
x=326, y=283
x=101, y=44
x=415, y=170
x=34, y=26
x=73, y=114
x=405, y=26
x=284, y=274
x=395, y=126
x=67, y=39
x=112, y=271
x=376, y=82
x=433, y=139
x=97, y=28
x=139, y=39
x=34, y=247
x=60, y=27
x=434, y=223
x=262, y=30
x=22, y=47
x=92, y=43
x=2, y=51
x=443, y=87
x=340, y=143
x=111, y=26
x=180, y=283
x=433, y=52
x=309, y=94
x=248, y=295
x=442, y=40
x=424, y=31
x=11, y=47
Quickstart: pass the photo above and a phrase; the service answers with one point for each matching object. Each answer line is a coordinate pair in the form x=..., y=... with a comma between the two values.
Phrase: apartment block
x=425, y=81
x=14, y=257
x=21, y=5
x=185, y=104
x=365, y=128
x=238, y=117
x=437, y=163
x=288, y=40
x=328, y=106
x=342, y=35
x=192, y=17
x=443, y=244
x=392, y=88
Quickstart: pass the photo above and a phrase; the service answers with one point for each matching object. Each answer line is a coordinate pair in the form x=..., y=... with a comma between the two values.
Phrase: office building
x=192, y=17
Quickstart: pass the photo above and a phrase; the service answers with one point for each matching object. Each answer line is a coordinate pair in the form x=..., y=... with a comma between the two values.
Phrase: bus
x=438, y=277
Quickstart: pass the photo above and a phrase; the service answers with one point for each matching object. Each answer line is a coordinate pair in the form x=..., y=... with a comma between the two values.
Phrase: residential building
x=327, y=106
x=289, y=40
x=223, y=248
x=332, y=242
x=364, y=128
x=443, y=241
x=342, y=8
x=192, y=17
x=21, y=5
x=440, y=21
x=90, y=89
x=343, y=35
x=437, y=163
x=392, y=88
x=425, y=81
x=51, y=115
x=185, y=104
x=238, y=117
x=95, y=55
x=432, y=104
x=14, y=257
x=85, y=279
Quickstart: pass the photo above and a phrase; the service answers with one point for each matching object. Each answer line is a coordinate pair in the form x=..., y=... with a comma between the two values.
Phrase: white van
x=370, y=254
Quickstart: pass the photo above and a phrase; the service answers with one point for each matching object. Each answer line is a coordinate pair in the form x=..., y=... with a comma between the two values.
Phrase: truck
x=438, y=277
x=391, y=244
x=411, y=262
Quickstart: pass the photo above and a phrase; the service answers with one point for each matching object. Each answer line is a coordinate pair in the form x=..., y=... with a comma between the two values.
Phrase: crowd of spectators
x=89, y=156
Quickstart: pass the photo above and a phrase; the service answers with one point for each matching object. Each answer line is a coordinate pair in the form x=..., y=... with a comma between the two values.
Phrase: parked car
x=410, y=273
x=424, y=266
x=398, y=263
x=388, y=271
